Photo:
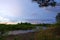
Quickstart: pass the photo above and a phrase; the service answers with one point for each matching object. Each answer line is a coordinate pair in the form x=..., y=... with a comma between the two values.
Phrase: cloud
x=53, y=9
x=2, y=19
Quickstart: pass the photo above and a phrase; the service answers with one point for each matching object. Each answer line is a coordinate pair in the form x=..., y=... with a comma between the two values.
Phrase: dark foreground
x=51, y=33
x=26, y=36
x=48, y=34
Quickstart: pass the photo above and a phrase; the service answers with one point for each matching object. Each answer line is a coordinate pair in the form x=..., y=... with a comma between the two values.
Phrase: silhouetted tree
x=45, y=3
x=57, y=29
x=58, y=18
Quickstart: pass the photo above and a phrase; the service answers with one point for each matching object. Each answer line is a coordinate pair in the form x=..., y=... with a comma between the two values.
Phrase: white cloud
x=53, y=9
x=2, y=19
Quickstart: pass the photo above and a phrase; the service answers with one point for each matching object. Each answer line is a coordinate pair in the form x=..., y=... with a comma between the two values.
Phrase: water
x=16, y=32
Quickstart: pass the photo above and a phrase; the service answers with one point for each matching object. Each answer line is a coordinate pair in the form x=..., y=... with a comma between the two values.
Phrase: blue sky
x=26, y=10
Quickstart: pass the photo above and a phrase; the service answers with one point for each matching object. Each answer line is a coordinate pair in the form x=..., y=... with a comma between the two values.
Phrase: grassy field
x=51, y=33
x=41, y=35
x=48, y=34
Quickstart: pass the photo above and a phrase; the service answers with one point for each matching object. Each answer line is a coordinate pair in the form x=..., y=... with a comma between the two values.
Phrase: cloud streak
x=2, y=19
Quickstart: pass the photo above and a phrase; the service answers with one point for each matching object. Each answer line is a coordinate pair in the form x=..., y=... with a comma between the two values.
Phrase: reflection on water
x=16, y=32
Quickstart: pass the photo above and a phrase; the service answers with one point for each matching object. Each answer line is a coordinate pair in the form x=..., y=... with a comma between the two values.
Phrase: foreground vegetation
x=51, y=33
x=21, y=26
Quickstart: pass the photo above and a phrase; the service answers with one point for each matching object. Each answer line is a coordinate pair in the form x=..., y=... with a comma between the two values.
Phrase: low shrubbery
x=23, y=26
x=51, y=33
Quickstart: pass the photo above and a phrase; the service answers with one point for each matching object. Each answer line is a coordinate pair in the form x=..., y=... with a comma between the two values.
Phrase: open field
x=48, y=34
x=51, y=33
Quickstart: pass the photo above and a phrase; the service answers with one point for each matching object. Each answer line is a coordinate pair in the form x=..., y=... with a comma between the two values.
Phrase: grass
x=51, y=33
x=48, y=34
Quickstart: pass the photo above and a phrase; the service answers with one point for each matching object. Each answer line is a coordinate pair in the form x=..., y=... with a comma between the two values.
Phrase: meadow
x=51, y=33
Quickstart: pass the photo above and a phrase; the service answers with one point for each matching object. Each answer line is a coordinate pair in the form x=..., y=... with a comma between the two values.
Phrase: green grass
x=52, y=33
x=48, y=34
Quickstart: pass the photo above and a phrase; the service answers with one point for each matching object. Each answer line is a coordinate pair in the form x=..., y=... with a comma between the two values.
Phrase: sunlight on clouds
x=2, y=19
x=6, y=21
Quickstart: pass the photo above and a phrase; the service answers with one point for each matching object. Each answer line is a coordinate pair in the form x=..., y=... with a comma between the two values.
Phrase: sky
x=26, y=11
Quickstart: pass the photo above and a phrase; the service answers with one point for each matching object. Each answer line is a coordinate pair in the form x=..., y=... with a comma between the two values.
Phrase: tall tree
x=58, y=18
